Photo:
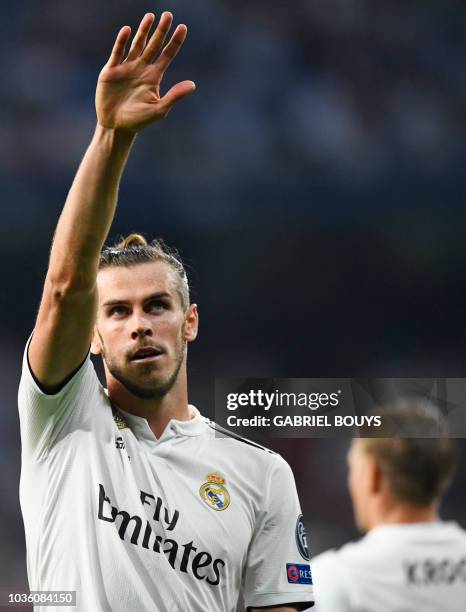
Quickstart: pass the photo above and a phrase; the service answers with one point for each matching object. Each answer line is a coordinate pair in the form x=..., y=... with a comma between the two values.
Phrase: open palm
x=128, y=89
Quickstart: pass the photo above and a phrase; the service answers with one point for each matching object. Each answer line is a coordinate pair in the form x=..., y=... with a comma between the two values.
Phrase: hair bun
x=133, y=240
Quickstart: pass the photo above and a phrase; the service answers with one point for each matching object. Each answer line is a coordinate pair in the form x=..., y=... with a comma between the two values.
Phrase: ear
x=191, y=323
x=96, y=344
x=374, y=476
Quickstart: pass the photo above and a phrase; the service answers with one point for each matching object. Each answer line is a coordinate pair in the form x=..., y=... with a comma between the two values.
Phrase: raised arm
x=127, y=100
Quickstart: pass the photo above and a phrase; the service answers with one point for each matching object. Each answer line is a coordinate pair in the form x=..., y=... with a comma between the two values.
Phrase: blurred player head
x=401, y=479
x=144, y=317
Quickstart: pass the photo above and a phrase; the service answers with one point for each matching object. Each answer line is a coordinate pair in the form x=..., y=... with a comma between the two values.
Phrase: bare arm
x=275, y=609
x=127, y=100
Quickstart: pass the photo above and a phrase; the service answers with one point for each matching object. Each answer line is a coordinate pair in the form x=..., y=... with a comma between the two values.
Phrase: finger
x=158, y=37
x=118, y=50
x=177, y=93
x=139, y=41
x=171, y=49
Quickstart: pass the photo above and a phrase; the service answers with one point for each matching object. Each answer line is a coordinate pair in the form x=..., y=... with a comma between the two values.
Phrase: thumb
x=177, y=93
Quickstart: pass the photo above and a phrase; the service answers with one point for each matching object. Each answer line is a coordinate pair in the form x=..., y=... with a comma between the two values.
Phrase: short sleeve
x=277, y=569
x=42, y=416
x=331, y=593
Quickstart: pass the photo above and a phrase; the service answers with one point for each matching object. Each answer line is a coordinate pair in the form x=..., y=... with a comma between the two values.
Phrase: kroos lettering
x=435, y=571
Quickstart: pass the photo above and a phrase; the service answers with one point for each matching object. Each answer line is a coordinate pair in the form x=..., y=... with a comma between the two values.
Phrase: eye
x=157, y=305
x=118, y=310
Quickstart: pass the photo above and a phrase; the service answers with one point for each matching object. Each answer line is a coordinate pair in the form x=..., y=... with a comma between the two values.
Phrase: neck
x=402, y=514
x=158, y=411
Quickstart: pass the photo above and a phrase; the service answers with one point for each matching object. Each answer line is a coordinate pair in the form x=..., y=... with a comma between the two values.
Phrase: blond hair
x=419, y=460
x=134, y=249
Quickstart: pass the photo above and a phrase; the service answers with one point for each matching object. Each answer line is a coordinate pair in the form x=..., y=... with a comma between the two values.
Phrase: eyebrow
x=152, y=296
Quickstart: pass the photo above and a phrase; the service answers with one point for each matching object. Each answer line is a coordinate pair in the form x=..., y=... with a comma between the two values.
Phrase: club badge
x=214, y=493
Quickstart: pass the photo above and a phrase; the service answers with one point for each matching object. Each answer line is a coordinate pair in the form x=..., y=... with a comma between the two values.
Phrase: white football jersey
x=395, y=568
x=130, y=522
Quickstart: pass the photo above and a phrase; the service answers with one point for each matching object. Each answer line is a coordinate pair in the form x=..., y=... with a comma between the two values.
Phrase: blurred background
x=314, y=184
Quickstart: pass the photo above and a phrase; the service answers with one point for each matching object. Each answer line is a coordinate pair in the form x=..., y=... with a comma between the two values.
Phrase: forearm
x=275, y=609
x=89, y=209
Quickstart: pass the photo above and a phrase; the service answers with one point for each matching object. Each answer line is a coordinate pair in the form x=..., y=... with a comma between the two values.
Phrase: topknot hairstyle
x=134, y=249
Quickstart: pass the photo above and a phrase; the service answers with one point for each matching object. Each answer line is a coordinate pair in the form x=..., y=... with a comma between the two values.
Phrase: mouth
x=147, y=353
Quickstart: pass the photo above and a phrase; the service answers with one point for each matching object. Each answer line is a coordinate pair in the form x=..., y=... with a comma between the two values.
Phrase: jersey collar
x=195, y=426
x=412, y=529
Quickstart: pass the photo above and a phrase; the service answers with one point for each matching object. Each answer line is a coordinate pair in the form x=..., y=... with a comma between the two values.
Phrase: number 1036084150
x=55, y=598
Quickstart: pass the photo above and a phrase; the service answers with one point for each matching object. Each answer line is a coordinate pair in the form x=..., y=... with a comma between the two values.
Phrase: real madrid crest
x=214, y=492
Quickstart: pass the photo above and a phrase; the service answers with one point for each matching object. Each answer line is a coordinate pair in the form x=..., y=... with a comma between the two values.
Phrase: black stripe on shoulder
x=55, y=389
x=235, y=436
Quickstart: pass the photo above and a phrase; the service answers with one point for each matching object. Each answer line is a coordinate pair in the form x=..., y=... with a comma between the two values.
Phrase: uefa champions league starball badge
x=214, y=493
x=301, y=540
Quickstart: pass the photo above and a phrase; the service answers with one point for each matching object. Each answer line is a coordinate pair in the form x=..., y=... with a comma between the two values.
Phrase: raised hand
x=128, y=90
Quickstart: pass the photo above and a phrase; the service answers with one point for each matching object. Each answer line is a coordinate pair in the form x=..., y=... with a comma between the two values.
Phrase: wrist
x=115, y=138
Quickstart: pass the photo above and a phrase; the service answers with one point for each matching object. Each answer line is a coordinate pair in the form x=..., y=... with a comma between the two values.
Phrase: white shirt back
x=417, y=567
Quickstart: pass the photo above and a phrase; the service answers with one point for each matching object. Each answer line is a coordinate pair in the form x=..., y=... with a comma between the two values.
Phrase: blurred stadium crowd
x=314, y=183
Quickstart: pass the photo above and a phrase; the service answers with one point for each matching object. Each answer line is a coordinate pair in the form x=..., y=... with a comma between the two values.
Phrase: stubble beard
x=158, y=389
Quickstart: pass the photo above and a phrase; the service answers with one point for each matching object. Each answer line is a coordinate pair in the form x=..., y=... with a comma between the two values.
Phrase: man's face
x=141, y=328
x=359, y=483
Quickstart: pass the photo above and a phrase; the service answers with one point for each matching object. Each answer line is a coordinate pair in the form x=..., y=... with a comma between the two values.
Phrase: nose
x=141, y=329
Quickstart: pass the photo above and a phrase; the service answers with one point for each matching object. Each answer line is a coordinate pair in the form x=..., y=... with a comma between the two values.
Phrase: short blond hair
x=418, y=466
